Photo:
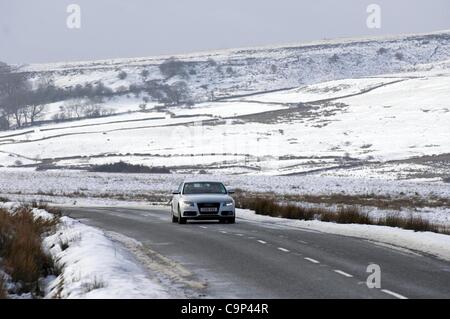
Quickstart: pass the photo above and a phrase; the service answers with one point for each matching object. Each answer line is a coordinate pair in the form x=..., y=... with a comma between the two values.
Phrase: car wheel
x=174, y=218
x=222, y=221
x=181, y=220
x=232, y=220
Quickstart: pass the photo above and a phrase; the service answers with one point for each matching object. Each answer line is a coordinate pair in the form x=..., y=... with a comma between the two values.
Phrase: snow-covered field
x=86, y=188
x=347, y=103
x=355, y=117
x=366, y=119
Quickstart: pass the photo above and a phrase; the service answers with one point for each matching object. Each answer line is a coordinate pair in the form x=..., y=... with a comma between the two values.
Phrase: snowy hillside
x=371, y=107
x=223, y=74
x=333, y=125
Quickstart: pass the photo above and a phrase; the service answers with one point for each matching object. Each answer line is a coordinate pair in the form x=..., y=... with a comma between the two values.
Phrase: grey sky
x=35, y=31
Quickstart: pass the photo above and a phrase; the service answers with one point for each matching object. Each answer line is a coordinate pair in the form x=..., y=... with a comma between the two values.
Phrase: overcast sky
x=35, y=31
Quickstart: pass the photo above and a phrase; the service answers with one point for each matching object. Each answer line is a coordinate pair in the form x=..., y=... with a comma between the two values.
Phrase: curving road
x=262, y=260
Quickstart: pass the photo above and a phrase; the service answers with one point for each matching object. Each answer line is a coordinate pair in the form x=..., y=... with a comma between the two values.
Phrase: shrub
x=382, y=51
x=21, y=247
x=122, y=75
x=122, y=167
x=352, y=215
x=173, y=67
x=334, y=58
x=399, y=56
x=18, y=163
x=145, y=74
x=269, y=206
x=412, y=223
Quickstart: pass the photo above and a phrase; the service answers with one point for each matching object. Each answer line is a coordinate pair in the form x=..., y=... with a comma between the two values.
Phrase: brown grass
x=3, y=292
x=21, y=247
x=412, y=223
x=344, y=214
x=383, y=202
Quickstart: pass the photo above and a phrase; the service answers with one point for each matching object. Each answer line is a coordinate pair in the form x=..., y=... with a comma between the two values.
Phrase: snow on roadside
x=94, y=267
x=425, y=242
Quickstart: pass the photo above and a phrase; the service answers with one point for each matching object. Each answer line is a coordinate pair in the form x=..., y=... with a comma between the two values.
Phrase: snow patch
x=94, y=267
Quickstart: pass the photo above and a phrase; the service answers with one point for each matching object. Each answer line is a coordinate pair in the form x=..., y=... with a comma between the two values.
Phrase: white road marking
x=302, y=242
x=239, y=235
x=340, y=272
x=396, y=295
x=223, y=232
x=262, y=242
x=203, y=227
x=312, y=260
x=283, y=249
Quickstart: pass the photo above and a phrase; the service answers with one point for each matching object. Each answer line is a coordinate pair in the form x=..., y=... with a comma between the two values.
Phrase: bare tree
x=178, y=92
x=37, y=99
x=14, y=94
x=33, y=112
x=75, y=108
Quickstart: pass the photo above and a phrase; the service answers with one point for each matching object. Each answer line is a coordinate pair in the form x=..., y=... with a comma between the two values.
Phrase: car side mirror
x=176, y=193
x=231, y=191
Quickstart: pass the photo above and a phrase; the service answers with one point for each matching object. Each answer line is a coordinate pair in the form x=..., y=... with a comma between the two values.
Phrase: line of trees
x=174, y=94
x=23, y=102
x=20, y=103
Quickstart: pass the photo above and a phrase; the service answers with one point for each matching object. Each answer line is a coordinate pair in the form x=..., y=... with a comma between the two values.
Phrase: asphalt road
x=261, y=260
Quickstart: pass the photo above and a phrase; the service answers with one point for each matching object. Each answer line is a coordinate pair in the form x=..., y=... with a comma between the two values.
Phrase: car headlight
x=188, y=204
x=228, y=203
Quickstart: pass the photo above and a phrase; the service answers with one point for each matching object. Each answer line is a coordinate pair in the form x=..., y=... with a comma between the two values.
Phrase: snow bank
x=94, y=267
x=426, y=242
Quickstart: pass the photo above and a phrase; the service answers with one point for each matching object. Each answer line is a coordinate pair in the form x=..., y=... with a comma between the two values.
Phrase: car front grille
x=208, y=208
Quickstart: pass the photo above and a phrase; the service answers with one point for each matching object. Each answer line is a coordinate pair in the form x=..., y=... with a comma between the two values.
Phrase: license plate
x=208, y=210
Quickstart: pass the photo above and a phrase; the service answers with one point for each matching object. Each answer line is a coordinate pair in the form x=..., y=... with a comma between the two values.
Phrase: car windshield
x=204, y=188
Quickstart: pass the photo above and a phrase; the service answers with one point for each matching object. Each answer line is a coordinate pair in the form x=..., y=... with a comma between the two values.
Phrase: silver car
x=202, y=200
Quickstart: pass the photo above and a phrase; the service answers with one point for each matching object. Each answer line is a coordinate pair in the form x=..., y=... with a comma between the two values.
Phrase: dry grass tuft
x=412, y=223
x=95, y=284
x=50, y=209
x=21, y=247
x=3, y=292
x=270, y=206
